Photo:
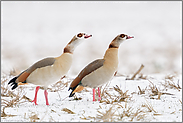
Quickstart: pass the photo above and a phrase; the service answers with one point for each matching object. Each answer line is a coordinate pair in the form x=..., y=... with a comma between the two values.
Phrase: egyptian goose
x=99, y=71
x=48, y=70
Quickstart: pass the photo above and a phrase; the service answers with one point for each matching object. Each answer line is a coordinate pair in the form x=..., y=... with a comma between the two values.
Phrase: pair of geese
x=49, y=70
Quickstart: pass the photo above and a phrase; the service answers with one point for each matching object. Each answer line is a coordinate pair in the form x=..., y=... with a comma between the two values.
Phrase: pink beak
x=87, y=36
x=128, y=37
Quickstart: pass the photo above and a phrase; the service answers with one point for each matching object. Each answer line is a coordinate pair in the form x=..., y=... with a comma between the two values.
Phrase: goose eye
x=79, y=35
x=122, y=35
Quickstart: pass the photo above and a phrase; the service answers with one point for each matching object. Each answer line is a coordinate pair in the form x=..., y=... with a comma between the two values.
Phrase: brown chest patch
x=23, y=77
x=67, y=50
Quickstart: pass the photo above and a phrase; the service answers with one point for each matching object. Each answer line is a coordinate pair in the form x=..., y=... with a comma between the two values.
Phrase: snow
x=34, y=30
x=167, y=109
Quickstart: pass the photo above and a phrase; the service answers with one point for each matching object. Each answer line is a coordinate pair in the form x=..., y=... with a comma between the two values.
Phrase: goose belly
x=44, y=76
x=98, y=77
x=50, y=74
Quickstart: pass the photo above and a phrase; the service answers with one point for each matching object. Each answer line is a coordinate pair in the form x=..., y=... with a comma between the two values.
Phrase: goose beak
x=87, y=36
x=128, y=37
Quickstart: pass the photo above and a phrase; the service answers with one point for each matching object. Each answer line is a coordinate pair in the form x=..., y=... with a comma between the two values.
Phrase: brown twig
x=141, y=67
x=141, y=92
x=159, y=95
x=26, y=98
x=68, y=111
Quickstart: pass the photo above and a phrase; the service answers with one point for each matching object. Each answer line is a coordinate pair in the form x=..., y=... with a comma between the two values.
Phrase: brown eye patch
x=79, y=35
x=122, y=35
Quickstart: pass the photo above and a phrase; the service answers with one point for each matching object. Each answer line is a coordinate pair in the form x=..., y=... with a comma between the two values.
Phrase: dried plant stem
x=159, y=95
x=104, y=89
x=133, y=77
x=59, y=95
x=141, y=92
x=64, y=98
x=141, y=67
x=149, y=106
x=180, y=101
x=68, y=111
x=26, y=98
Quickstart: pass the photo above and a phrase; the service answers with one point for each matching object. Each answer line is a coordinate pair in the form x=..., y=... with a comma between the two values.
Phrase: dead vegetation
x=141, y=91
x=68, y=111
x=170, y=77
x=3, y=114
x=149, y=107
x=136, y=76
x=16, y=100
x=121, y=112
x=125, y=112
x=5, y=92
x=155, y=91
x=33, y=117
x=137, y=113
x=110, y=99
x=77, y=98
x=118, y=108
x=171, y=84
x=180, y=101
x=136, y=73
x=122, y=96
x=131, y=113
x=107, y=116
x=11, y=98
x=104, y=89
x=88, y=117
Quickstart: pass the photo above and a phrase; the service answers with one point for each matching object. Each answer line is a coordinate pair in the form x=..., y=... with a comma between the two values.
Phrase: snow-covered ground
x=31, y=31
x=135, y=107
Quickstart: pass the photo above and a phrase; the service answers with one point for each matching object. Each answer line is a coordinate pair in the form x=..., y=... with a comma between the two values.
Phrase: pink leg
x=93, y=94
x=46, y=97
x=99, y=97
x=35, y=98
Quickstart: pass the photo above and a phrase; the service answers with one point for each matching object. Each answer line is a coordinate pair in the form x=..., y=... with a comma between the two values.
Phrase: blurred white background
x=31, y=31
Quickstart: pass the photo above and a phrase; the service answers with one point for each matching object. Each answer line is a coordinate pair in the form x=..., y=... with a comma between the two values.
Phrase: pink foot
x=46, y=97
x=35, y=98
x=93, y=94
x=34, y=102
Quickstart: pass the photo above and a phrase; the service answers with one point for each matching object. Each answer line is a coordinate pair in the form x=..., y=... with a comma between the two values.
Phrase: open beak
x=128, y=37
x=87, y=36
